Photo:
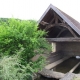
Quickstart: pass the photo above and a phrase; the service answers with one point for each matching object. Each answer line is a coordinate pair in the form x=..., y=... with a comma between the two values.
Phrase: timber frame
x=57, y=23
x=63, y=39
x=62, y=31
x=49, y=25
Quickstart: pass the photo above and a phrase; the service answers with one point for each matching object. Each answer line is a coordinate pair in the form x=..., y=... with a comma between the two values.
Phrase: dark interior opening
x=55, y=32
x=49, y=16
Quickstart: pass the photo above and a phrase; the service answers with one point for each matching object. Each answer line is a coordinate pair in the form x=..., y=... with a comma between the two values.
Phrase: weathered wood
x=49, y=25
x=60, y=19
x=71, y=31
x=52, y=25
x=58, y=75
x=61, y=32
x=66, y=26
x=63, y=39
x=68, y=76
x=56, y=20
x=49, y=66
x=52, y=20
x=74, y=67
x=51, y=74
x=44, y=23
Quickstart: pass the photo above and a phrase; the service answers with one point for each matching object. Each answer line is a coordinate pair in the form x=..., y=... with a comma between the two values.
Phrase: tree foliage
x=22, y=38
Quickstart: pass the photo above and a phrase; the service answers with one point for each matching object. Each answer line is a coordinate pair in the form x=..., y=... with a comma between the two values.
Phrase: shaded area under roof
x=75, y=25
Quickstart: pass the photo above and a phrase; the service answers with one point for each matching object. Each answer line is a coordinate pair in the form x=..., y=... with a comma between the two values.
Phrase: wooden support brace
x=61, y=19
x=58, y=24
x=69, y=28
x=55, y=63
x=51, y=74
x=63, y=39
x=52, y=20
x=60, y=32
x=52, y=25
x=74, y=67
x=72, y=32
x=44, y=23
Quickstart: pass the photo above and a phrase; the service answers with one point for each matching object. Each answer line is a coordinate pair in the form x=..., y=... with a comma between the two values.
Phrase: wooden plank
x=55, y=63
x=68, y=76
x=63, y=39
x=51, y=74
x=60, y=19
x=61, y=32
x=69, y=28
x=44, y=23
x=56, y=20
x=72, y=32
x=52, y=20
x=52, y=25
x=74, y=67
x=49, y=25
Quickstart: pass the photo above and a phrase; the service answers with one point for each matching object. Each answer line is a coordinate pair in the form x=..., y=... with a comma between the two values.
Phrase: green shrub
x=21, y=37
x=11, y=69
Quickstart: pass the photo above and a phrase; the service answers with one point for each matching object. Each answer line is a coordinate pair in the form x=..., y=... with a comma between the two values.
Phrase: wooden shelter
x=63, y=30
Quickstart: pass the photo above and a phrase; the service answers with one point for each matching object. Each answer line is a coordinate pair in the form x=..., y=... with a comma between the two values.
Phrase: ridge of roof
x=69, y=20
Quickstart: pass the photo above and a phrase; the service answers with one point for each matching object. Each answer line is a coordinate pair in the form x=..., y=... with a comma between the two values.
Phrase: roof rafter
x=63, y=17
x=59, y=24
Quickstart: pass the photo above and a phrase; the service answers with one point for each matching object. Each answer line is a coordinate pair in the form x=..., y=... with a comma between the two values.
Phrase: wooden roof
x=75, y=25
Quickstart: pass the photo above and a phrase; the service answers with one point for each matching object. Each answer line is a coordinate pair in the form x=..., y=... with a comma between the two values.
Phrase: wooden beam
x=52, y=20
x=69, y=28
x=74, y=67
x=51, y=74
x=61, y=32
x=72, y=32
x=49, y=26
x=44, y=23
x=69, y=76
x=61, y=24
x=63, y=39
x=56, y=20
x=58, y=24
x=52, y=25
x=55, y=24
x=61, y=19
x=50, y=66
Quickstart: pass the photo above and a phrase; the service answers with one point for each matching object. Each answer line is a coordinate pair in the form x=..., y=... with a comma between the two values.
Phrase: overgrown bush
x=23, y=39
x=11, y=69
